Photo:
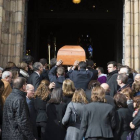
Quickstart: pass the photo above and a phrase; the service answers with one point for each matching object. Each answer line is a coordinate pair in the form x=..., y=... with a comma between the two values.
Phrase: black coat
x=53, y=78
x=112, y=82
x=67, y=99
x=98, y=120
x=44, y=75
x=16, y=122
x=95, y=73
x=81, y=77
x=54, y=129
x=88, y=94
x=40, y=106
x=34, y=79
x=33, y=115
x=136, y=122
x=123, y=119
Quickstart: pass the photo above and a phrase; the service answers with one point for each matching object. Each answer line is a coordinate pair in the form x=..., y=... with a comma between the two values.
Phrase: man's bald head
x=137, y=77
x=105, y=86
x=30, y=91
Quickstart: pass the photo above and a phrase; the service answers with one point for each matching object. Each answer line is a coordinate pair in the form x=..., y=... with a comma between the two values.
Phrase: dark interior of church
x=91, y=22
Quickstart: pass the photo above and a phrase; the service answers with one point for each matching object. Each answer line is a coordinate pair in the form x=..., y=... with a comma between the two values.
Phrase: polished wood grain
x=69, y=54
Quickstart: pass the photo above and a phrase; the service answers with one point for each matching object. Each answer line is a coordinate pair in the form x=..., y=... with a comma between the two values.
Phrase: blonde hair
x=22, y=65
x=79, y=96
x=68, y=87
x=10, y=65
x=43, y=90
x=127, y=92
x=98, y=94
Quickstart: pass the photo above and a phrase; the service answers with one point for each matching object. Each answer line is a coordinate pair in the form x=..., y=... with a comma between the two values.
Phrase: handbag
x=74, y=117
x=130, y=136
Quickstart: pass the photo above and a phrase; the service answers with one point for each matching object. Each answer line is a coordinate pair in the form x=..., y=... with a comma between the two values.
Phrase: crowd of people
x=80, y=102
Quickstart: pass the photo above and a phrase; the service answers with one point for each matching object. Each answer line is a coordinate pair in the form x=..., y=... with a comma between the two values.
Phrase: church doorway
x=94, y=22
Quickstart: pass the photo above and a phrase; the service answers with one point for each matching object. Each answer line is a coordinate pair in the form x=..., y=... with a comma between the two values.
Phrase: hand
x=59, y=63
x=52, y=85
x=76, y=63
x=132, y=126
x=68, y=68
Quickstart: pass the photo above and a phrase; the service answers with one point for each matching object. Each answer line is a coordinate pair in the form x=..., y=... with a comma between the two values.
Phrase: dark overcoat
x=16, y=122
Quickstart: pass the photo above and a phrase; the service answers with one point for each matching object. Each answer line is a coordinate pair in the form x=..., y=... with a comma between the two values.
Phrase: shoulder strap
x=73, y=107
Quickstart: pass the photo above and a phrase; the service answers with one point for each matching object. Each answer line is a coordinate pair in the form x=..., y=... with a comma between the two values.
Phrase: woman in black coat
x=123, y=117
x=135, y=124
x=98, y=118
x=40, y=101
x=55, y=110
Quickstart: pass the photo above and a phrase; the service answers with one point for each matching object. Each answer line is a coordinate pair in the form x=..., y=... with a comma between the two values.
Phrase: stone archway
x=11, y=30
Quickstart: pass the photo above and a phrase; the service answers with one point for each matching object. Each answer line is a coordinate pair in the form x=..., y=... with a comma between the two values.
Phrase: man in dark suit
x=80, y=77
x=57, y=74
x=112, y=77
x=34, y=78
x=32, y=111
x=122, y=81
x=44, y=74
x=90, y=67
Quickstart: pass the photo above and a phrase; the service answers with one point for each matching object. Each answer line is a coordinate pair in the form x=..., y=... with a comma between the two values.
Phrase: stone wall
x=11, y=30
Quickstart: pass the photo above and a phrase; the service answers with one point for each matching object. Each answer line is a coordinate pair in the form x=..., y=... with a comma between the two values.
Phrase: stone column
x=11, y=30
x=132, y=34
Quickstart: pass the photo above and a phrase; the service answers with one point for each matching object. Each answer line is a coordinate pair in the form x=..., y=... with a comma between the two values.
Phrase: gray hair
x=28, y=86
x=36, y=66
x=6, y=74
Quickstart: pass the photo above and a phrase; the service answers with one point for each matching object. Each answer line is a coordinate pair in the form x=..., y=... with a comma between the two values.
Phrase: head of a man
x=100, y=70
x=30, y=91
x=137, y=77
x=43, y=61
x=20, y=83
x=38, y=67
x=111, y=66
x=105, y=86
x=90, y=63
x=122, y=79
x=7, y=76
x=60, y=71
x=82, y=65
x=124, y=70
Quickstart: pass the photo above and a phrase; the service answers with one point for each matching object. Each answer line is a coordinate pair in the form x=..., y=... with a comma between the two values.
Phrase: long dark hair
x=56, y=96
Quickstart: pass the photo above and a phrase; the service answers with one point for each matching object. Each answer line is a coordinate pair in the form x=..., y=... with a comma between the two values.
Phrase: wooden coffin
x=69, y=54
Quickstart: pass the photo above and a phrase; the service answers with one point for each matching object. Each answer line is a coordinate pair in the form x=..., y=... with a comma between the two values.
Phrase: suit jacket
x=53, y=78
x=98, y=120
x=33, y=114
x=95, y=73
x=123, y=119
x=81, y=77
x=34, y=79
x=112, y=82
x=54, y=128
x=44, y=75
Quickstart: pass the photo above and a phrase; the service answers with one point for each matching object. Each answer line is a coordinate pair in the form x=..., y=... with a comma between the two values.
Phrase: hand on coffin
x=59, y=63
